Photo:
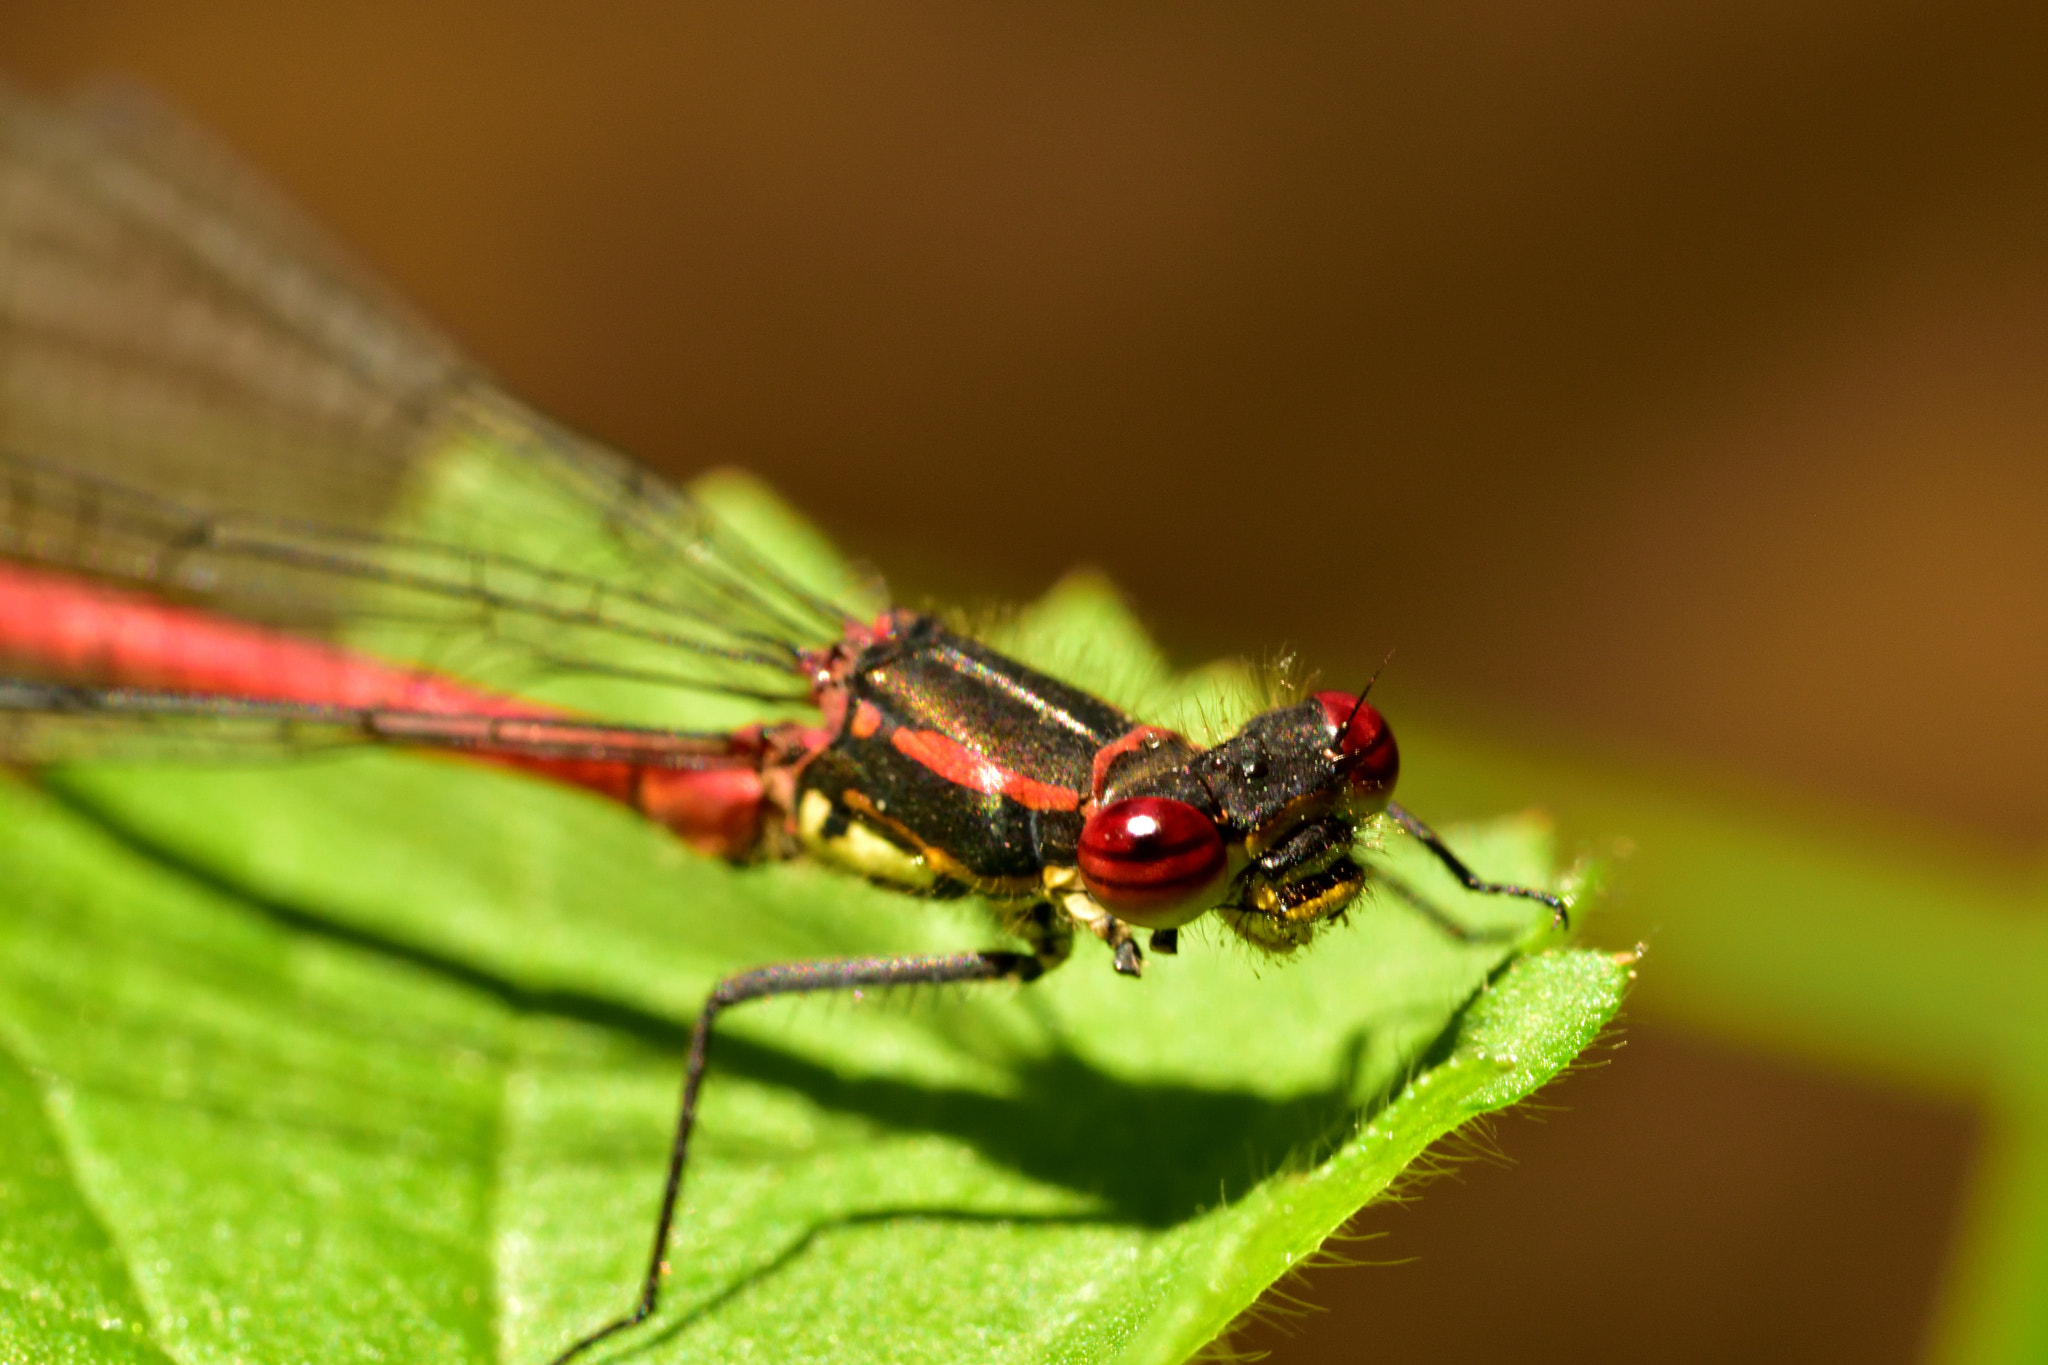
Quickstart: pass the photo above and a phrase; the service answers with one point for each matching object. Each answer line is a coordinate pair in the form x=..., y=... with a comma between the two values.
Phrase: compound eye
x=1366, y=751
x=1152, y=861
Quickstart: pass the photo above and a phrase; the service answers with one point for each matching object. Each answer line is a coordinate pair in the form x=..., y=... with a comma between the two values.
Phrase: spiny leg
x=789, y=978
x=1561, y=913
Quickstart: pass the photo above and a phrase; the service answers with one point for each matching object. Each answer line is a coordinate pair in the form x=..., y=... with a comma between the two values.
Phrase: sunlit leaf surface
x=375, y=1058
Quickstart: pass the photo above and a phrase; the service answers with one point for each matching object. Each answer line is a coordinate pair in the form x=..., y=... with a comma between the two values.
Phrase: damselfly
x=216, y=445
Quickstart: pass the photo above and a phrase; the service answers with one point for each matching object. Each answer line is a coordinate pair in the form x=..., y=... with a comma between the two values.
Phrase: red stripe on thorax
x=964, y=767
x=1117, y=748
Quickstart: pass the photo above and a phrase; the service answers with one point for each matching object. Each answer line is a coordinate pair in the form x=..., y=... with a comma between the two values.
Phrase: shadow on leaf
x=1153, y=1153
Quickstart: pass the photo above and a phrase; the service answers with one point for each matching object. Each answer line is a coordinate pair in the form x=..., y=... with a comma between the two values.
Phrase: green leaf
x=376, y=1057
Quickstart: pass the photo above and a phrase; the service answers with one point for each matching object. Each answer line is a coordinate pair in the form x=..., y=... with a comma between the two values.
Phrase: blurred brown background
x=1666, y=378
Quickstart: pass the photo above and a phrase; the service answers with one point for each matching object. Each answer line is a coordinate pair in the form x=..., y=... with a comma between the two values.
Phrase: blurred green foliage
x=1890, y=954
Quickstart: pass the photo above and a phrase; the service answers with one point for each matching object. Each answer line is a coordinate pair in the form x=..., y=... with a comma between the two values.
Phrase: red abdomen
x=75, y=631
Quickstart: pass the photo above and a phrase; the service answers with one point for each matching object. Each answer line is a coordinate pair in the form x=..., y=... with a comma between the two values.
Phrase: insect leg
x=1471, y=880
x=789, y=978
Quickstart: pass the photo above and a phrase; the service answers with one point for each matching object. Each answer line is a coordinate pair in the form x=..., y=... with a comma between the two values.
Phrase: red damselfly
x=212, y=431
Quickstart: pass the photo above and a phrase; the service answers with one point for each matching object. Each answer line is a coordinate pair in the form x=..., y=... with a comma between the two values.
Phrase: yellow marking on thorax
x=858, y=848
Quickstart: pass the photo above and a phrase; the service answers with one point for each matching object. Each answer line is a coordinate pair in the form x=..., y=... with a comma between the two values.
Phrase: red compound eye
x=1151, y=861
x=1370, y=759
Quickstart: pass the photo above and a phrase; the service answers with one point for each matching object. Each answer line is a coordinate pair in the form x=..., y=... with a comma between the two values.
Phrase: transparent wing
x=201, y=397
x=54, y=722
